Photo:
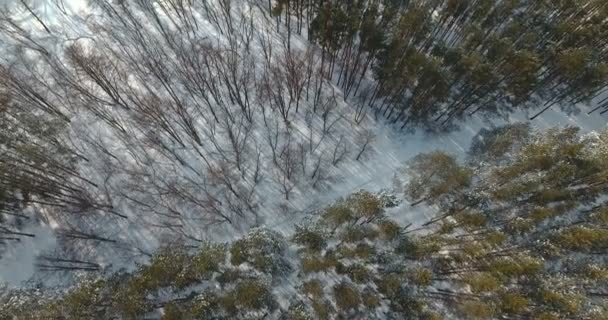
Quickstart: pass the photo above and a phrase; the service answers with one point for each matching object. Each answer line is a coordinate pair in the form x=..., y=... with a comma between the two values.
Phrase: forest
x=522, y=236
x=303, y=159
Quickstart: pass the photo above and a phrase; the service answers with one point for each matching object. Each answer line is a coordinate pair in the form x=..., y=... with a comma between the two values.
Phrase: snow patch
x=18, y=262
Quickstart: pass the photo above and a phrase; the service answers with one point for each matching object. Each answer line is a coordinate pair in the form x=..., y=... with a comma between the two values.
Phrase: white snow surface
x=141, y=234
x=18, y=261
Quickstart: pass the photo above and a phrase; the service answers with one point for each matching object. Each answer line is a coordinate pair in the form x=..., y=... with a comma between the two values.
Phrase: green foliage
x=318, y=263
x=583, y=239
x=230, y=276
x=312, y=238
x=389, y=230
x=496, y=144
x=596, y=272
x=434, y=175
x=470, y=220
x=248, y=295
x=79, y=303
x=263, y=249
x=364, y=251
x=163, y=271
x=359, y=233
x=572, y=60
x=322, y=309
x=516, y=266
x=482, y=282
x=208, y=261
x=473, y=250
x=408, y=304
x=422, y=277
x=566, y=303
x=365, y=205
x=205, y=305
x=476, y=310
x=418, y=248
x=540, y=214
x=130, y=300
x=313, y=288
x=347, y=296
x=370, y=299
x=522, y=67
x=337, y=215
x=600, y=216
x=209, y=258
x=546, y=316
x=297, y=312
x=514, y=191
x=389, y=284
x=494, y=238
x=172, y=311
x=513, y=303
x=553, y=195
x=354, y=213
x=357, y=272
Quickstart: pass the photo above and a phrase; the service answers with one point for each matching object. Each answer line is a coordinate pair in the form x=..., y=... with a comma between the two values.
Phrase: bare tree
x=340, y=151
x=363, y=140
x=286, y=168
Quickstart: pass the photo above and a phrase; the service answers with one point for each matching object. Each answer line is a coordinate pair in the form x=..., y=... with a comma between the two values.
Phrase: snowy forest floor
x=390, y=150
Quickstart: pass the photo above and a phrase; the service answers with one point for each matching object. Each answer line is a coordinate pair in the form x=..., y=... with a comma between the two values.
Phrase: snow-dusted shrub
x=129, y=298
x=318, y=263
x=248, y=295
x=337, y=214
x=202, y=266
x=311, y=237
x=370, y=299
x=388, y=200
x=583, y=239
x=513, y=303
x=517, y=266
x=172, y=311
x=476, y=309
x=228, y=276
x=313, y=288
x=417, y=248
x=436, y=177
x=164, y=270
x=359, y=233
x=129, y=301
x=422, y=277
x=263, y=249
x=390, y=230
x=481, y=282
x=365, y=205
x=297, y=311
x=407, y=303
x=27, y=304
x=495, y=144
x=361, y=251
x=205, y=305
x=322, y=308
x=80, y=303
x=356, y=272
x=564, y=303
x=347, y=296
x=389, y=284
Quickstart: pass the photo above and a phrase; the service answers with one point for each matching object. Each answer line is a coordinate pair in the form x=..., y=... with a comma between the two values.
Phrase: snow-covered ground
x=140, y=234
